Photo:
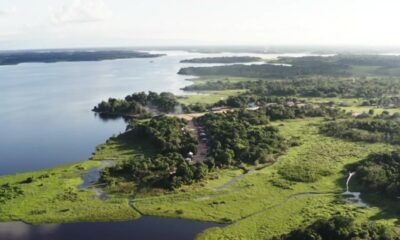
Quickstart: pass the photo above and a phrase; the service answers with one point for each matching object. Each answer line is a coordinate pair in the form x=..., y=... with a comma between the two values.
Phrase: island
x=17, y=57
x=232, y=59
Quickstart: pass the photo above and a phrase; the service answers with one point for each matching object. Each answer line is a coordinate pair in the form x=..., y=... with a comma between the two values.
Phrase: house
x=252, y=106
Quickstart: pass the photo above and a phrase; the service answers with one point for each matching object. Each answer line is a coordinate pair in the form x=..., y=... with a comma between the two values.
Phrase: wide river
x=45, y=108
x=45, y=121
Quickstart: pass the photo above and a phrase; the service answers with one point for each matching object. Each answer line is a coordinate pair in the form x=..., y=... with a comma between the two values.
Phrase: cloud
x=7, y=11
x=79, y=11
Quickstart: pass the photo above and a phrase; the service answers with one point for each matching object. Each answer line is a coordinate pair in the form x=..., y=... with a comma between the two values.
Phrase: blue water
x=45, y=117
x=45, y=121
x=145, y=228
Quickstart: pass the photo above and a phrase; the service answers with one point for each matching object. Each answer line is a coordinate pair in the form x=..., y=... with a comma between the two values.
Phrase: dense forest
x=338, y=65
x=343, y=228
x=241, y=136
x=310, y=87
x=235, y=59
x=168, y=167
x=345, y=59
x=379, y=172
x=16, y=57
x=378, y=129
x=269, y=70
x=139, y=103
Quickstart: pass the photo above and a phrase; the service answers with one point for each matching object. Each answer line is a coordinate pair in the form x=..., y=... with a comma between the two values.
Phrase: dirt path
x=201, y=153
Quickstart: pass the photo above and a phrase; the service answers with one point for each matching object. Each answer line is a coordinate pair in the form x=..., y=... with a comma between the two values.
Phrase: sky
x=27, y=24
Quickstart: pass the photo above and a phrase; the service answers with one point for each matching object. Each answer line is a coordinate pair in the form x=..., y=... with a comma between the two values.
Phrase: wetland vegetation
x=279, y=147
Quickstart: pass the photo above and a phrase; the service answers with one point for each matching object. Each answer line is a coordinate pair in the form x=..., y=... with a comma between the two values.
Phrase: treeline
x=388, y=101
x=241, y=136
x=345, y=59
x=233, y=59
x=343, y=228
x=167, y=134
x=282, y=112
x=365, y=130
x=168, y=167
x=379, y=172
x=10, y=58
x=310, y=87
x=281, y=108
x=139, y=103
x=270, y=70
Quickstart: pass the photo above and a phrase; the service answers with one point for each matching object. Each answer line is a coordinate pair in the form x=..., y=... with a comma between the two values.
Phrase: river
x=45, y=115
x=145, y=228
x=46, y=121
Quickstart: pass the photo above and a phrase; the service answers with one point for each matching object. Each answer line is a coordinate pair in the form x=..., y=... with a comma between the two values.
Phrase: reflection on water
x=143, y=229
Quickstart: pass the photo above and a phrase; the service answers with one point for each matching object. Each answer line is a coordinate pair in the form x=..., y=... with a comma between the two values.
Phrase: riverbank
x=57, y=198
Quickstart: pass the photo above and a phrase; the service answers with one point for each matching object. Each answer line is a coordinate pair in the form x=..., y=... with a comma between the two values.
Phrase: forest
x=16, y=57
x=167, y=168
x=384, y=128
x=270, y=70
x=241, y=136
x=235, y=59
x=310, y=87
x=343, y=228
x=379, y=172
x=138, y=104
x=341, y=65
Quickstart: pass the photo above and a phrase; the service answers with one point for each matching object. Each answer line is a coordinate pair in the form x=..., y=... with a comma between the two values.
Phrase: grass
x=205, y=79
x=54, y=197
x=208, y=97
x=259, y=206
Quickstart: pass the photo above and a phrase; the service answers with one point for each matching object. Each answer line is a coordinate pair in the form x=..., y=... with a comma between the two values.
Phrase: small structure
x=216, y=109
x=252, y=106
x=290, y=104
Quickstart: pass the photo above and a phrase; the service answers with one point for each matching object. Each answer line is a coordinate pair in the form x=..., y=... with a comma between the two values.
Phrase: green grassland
x=257, y=205
x=208, y=97
x=205, y=79
x=54, y=195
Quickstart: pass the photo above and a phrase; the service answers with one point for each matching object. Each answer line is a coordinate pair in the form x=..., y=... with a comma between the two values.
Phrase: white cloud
x=78, y=11
x=7, y=11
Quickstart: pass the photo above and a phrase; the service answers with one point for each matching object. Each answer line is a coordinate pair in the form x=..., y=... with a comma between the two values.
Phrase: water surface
x=145, y=228
x=45, y=116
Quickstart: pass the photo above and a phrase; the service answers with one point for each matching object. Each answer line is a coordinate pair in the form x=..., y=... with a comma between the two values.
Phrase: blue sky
x=94, y=23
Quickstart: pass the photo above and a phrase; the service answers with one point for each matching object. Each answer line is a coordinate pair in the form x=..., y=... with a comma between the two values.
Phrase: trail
x=201, y=153
x=235, y=179
x=355, y=199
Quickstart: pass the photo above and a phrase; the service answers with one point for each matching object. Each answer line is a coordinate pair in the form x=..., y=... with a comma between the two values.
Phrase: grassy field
x=208, y=97
x=257, y=205
x=54, y=195
x=261, y=204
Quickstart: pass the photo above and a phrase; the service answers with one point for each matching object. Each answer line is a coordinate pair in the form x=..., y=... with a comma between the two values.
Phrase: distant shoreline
x=15, y=58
